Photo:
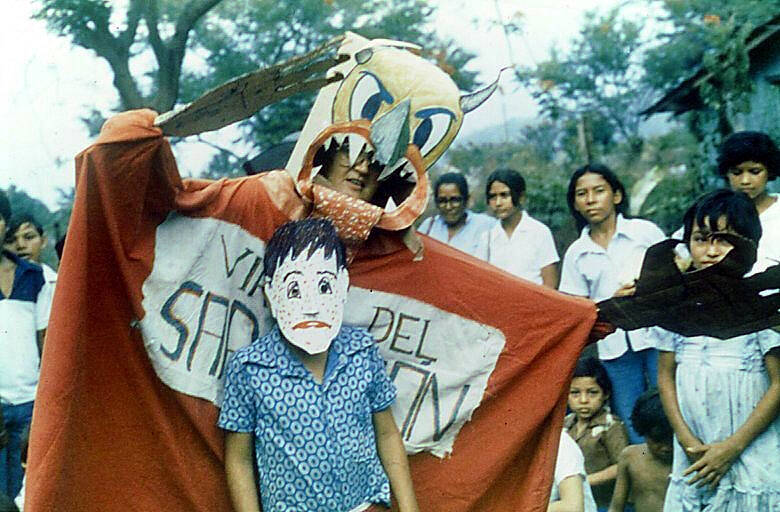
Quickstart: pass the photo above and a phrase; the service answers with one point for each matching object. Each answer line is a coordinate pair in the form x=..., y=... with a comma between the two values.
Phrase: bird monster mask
x=397, y=107
x=380, y=98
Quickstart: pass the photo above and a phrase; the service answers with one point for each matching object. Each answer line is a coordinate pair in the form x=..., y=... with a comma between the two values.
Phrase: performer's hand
x=714, y=460
x=600, y=330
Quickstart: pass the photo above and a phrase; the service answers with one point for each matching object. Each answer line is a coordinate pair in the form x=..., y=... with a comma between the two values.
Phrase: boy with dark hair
x=311, y=399
x=518, y=243
x=455, y=224
x=600, y=435
x=643, y=469
x=24, y=305
x=27, y=239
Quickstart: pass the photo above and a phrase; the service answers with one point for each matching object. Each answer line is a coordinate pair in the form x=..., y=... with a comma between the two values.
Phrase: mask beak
x=390, y=137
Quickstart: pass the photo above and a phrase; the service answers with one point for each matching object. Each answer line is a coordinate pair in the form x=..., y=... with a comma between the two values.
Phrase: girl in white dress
x=722, y=396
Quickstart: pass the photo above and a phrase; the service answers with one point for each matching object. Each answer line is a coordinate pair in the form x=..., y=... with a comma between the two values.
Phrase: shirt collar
x=469, y=218
x=524, y=223
x=604, y=418
x=23, y=264
x=272, y=351
x=623, y=228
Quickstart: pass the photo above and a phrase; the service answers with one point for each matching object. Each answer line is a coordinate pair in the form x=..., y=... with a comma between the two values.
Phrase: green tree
x=597, y=79
x=710, y=36
x=187, y=47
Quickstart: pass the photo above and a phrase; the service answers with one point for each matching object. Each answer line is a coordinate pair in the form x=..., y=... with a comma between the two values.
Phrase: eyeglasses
x=454, y=201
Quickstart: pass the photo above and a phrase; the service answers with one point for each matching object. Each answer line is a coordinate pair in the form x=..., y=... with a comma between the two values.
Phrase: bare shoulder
x=633, y=452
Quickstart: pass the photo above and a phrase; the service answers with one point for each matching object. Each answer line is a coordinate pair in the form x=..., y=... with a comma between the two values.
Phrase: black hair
x=509, y=177
x=454, y=178
x=592, y=367
x=292, y=238
x=749, y=146
x=610, y=177
x=737, y=208
x=25, y=218
x=648, y=417
x=5, y=207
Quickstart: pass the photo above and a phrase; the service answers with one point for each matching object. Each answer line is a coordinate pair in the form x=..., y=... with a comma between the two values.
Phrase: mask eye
x=367, y=96
x=324, y=286
x=293, y=290
x=434, y=127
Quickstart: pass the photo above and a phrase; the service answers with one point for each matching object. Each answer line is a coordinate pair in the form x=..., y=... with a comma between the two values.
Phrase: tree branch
x=115, y=50
x=191, y=13
x=219, y=148
x=170, y=55
x=134, y=11
x=152, y=18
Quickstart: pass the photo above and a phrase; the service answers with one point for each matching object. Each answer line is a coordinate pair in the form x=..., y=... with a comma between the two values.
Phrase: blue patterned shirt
x=314, y=443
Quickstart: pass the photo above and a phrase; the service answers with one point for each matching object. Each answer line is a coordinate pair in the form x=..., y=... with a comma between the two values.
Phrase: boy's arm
x=667, y=367
x=608, y=474
x=615, y=440
x=572, y=496
x=622, y=484
x=239, y=467
x=394, y=461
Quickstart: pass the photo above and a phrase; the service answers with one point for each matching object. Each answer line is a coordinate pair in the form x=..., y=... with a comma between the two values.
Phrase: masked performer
x=161, y=281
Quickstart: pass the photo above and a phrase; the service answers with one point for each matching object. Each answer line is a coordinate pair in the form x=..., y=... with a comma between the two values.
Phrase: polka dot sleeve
x=238, y=412
x=381, y=393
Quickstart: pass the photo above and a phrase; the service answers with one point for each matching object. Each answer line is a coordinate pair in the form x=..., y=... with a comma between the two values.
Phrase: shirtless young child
x=643, y=469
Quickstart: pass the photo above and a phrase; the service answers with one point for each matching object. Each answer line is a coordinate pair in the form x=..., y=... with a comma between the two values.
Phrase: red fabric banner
x=108, y=434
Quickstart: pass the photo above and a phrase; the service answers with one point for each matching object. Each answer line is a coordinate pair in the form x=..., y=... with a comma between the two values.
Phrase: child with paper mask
x=311, y=399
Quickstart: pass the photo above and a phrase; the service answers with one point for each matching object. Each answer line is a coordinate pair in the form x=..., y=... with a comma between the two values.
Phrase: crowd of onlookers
x=628, y=398
x=720, y=398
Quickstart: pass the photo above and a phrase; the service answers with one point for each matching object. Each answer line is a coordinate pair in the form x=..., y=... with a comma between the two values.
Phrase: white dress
x=719, y=383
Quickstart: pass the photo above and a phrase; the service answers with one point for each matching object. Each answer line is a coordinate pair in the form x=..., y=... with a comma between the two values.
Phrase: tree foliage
x=187, y=47
x=710, y=36
x=598, y=79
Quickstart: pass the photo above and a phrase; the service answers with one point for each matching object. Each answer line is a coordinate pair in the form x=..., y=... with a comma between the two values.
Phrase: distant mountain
x=652, y=127
x=495, y=132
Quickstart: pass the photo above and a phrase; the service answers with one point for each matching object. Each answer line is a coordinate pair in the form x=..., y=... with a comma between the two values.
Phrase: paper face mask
x=306, y=297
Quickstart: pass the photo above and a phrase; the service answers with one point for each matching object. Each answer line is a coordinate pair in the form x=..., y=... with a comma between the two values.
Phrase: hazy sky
x=47, y=85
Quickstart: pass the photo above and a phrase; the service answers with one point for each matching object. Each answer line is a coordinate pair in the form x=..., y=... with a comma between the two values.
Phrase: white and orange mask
x=306, y=296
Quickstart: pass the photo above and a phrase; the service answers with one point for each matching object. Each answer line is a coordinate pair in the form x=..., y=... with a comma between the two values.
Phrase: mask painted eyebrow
x=328, y=272
x=288, y=274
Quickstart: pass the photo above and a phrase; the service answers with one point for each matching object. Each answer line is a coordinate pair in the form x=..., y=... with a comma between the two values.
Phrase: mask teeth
x=316, y=170
x=387, y=172
x=330, y=144
x=390, y=206
x=356, y=145
x=339, y=138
